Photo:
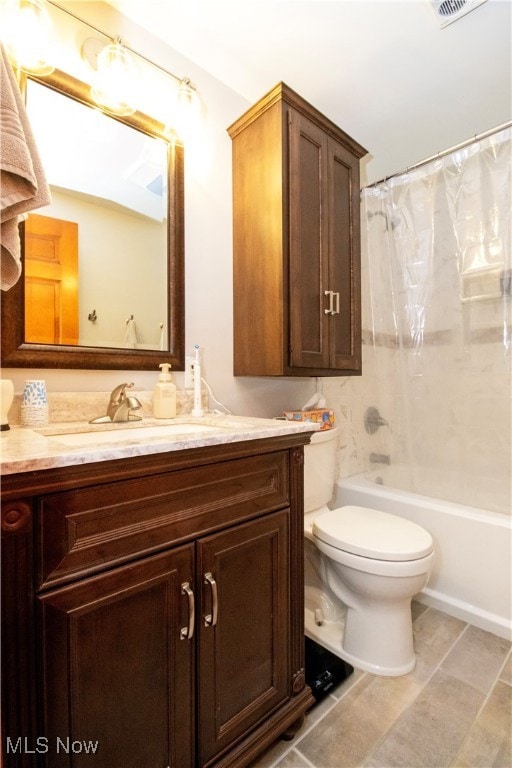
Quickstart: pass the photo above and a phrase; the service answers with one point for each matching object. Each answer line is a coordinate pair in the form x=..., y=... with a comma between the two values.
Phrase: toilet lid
x=374, y=534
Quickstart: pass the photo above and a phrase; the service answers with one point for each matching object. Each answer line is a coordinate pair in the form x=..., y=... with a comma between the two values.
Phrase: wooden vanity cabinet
x=296, y=241
x=152, y=610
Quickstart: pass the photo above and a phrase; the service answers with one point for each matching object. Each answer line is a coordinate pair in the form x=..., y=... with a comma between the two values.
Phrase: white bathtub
x=472, y=575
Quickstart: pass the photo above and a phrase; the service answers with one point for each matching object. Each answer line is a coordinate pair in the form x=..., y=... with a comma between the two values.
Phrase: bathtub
x=471, y=579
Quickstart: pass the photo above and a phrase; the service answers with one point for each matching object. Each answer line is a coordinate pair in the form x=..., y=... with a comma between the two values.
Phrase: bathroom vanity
x=152, y=597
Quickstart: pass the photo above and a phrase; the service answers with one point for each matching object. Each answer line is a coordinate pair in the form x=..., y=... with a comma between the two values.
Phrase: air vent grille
x=448, y=11
x=449, y=7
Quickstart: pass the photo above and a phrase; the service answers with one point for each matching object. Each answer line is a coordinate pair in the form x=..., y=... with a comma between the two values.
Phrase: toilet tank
x=319, y=469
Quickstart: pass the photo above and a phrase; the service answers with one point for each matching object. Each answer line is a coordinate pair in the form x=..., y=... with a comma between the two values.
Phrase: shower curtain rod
x=445, y=152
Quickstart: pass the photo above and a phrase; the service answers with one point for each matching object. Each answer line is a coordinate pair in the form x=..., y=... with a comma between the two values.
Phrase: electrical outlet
x=189, y=372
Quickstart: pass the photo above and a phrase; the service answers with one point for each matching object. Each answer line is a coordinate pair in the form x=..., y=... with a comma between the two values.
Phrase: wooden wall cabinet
x=296, y=208
x=152, y=610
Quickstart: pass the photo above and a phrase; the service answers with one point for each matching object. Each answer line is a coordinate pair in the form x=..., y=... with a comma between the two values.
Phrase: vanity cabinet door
x=118, y=667
x=244, y=633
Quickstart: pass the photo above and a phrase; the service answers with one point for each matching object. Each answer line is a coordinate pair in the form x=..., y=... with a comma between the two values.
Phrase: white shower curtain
x=437, y=240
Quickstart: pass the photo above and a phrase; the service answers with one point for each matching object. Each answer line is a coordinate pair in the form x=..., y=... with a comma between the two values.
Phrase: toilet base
x=330, y=634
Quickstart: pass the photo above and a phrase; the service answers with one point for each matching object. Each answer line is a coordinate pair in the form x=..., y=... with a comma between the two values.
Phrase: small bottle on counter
x=164, y=395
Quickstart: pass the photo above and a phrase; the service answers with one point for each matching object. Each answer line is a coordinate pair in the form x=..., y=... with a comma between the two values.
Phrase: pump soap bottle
x=164, y=395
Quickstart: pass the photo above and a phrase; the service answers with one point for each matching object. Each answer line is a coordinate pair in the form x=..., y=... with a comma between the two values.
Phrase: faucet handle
x=118, y=393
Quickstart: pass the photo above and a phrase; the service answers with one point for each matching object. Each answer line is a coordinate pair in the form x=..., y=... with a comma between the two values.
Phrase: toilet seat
x=372, y=534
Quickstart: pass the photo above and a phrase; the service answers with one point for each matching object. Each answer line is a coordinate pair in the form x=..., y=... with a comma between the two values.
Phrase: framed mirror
x=102, y=285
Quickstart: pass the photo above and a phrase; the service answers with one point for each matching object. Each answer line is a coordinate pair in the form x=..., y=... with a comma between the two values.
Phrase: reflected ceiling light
x=115, y=79
x=27, y=35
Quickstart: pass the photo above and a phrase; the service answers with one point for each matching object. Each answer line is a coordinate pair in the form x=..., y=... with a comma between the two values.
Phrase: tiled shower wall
x=351, y=396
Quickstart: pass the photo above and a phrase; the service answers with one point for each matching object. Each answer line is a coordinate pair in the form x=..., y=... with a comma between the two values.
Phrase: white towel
x=130, y=336
x=23, y=185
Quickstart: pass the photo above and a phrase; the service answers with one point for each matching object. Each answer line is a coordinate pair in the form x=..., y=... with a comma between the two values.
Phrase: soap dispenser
x=164, y=395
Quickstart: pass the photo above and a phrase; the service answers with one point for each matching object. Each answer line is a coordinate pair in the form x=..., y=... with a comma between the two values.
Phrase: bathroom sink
x=113, y=436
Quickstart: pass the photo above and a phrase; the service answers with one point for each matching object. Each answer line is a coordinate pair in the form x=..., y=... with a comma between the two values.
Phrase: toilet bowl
x=362, y=569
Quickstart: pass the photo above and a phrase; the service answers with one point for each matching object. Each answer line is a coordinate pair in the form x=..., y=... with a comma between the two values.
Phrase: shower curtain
x=437, y=240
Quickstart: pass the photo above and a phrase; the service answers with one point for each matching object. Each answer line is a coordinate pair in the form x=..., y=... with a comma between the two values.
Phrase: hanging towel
x=130, y=336
x=23, y=185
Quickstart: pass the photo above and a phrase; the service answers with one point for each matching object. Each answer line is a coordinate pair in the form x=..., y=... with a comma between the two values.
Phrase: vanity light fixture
x=188, y=109
x=115, y=79
x=27, y=32
x=183, y=111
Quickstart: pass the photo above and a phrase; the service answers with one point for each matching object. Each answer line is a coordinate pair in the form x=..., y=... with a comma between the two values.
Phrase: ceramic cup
x=34, y=405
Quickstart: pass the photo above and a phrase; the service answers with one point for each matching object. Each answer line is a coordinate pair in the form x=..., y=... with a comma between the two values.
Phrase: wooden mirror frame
x=16, y=352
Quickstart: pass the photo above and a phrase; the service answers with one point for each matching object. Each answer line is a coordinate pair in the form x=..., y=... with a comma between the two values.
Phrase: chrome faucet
x=120, y=406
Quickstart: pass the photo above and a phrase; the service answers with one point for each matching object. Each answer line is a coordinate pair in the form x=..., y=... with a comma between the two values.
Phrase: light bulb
x=188, y=110
x=115, y=80
x=27, y=35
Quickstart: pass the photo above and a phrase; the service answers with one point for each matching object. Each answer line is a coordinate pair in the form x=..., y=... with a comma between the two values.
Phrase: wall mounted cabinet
x=296, y=241
x=152, y=608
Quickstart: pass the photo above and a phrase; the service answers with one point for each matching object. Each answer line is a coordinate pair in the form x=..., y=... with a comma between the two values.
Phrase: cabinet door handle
x=210, y=619
x=187, y=633
x=337, y=299
x=330, y=309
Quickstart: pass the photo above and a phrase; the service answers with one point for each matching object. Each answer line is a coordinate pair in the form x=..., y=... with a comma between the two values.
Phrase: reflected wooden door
x=51, y=280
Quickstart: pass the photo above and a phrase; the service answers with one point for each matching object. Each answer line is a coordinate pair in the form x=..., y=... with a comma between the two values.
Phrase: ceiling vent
x=447, y=11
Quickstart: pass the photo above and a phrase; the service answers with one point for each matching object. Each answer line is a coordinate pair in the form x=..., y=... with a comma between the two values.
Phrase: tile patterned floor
x=453, y=711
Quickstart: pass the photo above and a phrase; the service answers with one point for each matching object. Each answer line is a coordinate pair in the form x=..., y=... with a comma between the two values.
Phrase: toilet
x=362, y=569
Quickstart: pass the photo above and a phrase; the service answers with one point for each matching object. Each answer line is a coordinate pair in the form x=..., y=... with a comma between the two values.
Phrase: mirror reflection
x=95, y=259
x=103, y=265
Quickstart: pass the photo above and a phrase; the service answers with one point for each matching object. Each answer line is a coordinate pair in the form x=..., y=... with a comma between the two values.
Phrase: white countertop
x=28, y=450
